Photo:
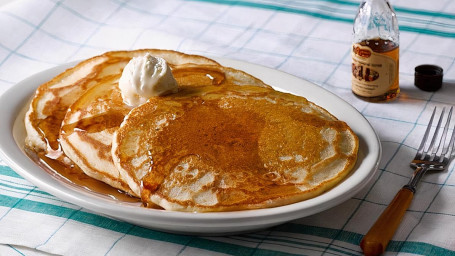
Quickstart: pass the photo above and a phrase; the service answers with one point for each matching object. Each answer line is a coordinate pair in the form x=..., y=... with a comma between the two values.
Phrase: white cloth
x=310, y=39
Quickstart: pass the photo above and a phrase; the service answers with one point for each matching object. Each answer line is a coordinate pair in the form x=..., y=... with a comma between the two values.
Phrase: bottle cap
x=428, y=77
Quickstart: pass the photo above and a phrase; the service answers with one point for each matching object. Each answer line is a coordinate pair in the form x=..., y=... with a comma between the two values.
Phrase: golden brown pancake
x=87, y=129
x=90, y=122
x=50, y=102
x=52, y=99
x=231, y=148
x=213, y=146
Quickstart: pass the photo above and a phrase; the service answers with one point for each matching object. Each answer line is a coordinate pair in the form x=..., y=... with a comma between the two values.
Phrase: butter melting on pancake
x=241, y=147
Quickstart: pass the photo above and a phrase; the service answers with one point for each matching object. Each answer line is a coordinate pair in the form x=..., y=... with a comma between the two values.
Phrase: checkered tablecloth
x=310, y=39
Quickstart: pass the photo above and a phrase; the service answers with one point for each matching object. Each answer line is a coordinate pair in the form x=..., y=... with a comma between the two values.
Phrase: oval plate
x=14, y=103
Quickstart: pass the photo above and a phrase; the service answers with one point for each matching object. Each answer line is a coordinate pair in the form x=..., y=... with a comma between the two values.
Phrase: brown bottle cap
x=428, y=77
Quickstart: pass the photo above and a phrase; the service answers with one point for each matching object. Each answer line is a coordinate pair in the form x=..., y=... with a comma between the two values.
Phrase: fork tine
x=425, y=136
x=448, y=150
x=446, y=128
x=452, y=145
x=443, y=138
x=436, y=132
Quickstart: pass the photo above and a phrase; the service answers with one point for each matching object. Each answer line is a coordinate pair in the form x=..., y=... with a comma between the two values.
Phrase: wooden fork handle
x=377, y=238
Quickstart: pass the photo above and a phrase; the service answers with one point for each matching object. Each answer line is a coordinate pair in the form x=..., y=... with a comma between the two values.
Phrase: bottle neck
x=375, y=19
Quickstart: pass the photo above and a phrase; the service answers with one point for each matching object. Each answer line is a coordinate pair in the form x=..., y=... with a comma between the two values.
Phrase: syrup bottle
x=375, y=52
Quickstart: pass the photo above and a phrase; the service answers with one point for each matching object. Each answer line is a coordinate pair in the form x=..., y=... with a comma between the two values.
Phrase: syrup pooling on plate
x=73, y=175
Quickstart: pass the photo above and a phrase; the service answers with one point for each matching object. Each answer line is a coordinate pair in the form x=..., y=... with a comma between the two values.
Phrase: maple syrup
x=375, y=74
x=375, y=52
x=73, y=175
x=53, y=161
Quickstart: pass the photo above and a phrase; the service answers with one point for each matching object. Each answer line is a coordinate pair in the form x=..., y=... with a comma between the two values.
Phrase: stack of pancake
x=225, y=141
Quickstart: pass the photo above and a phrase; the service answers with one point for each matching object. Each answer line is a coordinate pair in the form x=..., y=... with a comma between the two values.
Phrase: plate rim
x=12, y=102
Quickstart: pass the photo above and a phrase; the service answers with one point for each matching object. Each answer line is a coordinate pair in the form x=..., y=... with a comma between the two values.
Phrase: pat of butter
x=145, y=77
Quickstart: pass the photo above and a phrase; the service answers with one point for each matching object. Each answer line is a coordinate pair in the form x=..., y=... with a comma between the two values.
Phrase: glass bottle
x=375, y=52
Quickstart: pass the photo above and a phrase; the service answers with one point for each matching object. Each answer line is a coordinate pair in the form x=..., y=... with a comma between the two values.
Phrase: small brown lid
x=428, y=77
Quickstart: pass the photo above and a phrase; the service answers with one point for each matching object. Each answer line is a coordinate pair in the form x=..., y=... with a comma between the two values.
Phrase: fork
x=436, y=157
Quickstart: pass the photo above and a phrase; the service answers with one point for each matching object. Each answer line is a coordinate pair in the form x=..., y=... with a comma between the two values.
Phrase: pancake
x=89, y=124
x=86, y=132
x=49, y=104
x=52, y=99
x=231, y=148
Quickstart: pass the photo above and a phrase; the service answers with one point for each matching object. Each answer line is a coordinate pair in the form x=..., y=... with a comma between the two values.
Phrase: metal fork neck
x=418, y=174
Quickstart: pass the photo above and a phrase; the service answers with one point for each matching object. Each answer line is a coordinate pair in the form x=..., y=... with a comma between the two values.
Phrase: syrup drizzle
x=54, y=160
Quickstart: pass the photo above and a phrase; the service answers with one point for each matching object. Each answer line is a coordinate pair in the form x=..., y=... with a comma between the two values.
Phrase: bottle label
x=373, y=74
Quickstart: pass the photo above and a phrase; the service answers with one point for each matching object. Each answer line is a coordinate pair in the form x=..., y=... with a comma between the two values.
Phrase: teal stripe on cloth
x=123, y=227
x=418, y=248
x=35, y=206
x=354, y=238
x=7, y=201
x=15, y=249
x=410, y=20
x=7, y=171
x=276, y=7
x=293, y=242
x=345, y=236
x=207, y=244
x=23, y=189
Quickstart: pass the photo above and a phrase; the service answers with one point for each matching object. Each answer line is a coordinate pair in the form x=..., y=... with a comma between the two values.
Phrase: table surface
x=310, y=39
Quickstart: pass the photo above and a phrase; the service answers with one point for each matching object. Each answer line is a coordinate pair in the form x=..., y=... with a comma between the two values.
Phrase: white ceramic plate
x=13, y=104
